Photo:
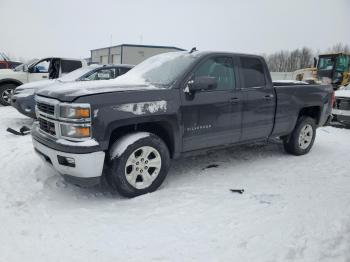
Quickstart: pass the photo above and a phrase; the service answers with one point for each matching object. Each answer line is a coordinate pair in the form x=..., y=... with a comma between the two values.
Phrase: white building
x=128, y=54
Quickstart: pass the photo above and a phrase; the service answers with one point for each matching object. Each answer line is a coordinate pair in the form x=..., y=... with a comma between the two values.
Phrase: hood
x=69, y=91
x=9, y=73
x=342, y=93
x=36, y=85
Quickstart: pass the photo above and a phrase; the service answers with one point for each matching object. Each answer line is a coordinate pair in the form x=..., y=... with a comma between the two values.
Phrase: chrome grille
x=46, y=108
x=47, y=126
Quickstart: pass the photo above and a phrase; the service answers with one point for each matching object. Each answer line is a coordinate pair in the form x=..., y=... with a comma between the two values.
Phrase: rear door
x=259, y=99
x=212, y=118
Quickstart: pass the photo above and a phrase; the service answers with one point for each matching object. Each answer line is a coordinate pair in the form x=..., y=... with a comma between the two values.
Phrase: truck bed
x=290, y=97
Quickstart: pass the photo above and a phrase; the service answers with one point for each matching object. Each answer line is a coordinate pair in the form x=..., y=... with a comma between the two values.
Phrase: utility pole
x=141, y=39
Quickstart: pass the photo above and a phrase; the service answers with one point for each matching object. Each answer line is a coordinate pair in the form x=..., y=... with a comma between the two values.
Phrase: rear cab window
x=68, y=66
x=123, y=70
x=253, y=72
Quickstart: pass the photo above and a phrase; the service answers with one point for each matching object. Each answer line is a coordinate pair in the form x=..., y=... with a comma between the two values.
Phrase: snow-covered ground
x=293, y=208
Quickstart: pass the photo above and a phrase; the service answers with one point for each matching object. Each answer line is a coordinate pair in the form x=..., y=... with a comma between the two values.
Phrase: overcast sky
x=71, y=28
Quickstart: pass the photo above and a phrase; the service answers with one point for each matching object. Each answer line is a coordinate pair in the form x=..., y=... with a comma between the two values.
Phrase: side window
x=253, y=72
x=68, y=66
x=42, y=66
x=102, y=74
x=222, y=69
x=123, y=70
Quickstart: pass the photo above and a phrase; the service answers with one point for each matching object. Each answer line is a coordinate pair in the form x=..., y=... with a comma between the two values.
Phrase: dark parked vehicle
x=172, y=104
x=23, y=96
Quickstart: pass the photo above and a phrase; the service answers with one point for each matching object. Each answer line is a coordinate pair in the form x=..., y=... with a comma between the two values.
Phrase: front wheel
x=138, y=164
x=6, y=92
x=301, y=140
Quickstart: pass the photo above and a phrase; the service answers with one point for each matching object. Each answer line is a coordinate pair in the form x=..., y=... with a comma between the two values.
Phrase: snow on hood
x=36, y=85
x=9, y=73
x=342, y=93
x=68, y=91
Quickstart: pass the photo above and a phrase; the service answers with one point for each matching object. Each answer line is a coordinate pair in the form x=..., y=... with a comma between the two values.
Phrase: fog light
x=66, y=161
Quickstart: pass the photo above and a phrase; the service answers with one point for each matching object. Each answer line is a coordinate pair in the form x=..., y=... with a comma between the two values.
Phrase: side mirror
x=201, y=83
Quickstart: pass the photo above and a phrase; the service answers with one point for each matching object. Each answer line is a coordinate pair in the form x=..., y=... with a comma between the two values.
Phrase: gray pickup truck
x=127, y=130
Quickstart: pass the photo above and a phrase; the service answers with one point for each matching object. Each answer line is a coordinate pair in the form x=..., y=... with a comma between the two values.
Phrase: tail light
x=333, y=99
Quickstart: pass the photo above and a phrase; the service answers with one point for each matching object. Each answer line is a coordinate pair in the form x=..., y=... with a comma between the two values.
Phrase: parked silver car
x=23, y=97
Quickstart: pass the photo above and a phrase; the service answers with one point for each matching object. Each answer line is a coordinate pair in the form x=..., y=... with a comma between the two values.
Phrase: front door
x=212, y=118
x=40, y=71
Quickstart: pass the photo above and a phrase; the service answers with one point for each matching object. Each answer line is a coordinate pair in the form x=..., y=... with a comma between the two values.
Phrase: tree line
x=289, y=61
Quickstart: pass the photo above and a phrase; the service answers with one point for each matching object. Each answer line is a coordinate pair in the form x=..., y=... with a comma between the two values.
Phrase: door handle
x=268, y=97
x=44, y=77
x=234, y=100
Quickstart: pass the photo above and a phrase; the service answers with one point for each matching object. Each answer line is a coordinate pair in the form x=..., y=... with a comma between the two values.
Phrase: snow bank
x=293, y=208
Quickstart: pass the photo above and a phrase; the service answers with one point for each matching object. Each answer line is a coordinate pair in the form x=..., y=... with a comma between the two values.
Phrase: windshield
x=162, y=70
x=326, y=63
x=26, y=65
x=78, y=73
x=342, y=63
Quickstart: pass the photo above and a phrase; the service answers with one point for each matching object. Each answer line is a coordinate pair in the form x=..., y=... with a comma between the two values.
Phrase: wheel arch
x=162, y=128
x=10, y=81
x=311, y=111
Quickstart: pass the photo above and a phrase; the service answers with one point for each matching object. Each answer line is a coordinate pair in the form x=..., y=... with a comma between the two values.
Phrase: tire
x=5, y=94
x=301, y=140
x=130, y=170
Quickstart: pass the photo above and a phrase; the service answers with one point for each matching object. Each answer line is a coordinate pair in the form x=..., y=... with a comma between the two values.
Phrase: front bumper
x=25, y=104
x=341, y=115
x=87, y=170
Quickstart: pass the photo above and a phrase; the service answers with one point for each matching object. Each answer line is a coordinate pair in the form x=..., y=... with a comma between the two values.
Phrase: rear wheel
x=139, y=167
x=301, y=140
x=6, y=92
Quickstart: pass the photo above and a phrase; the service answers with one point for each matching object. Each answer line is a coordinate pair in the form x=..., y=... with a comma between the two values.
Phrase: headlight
x=75, y=111
x=75, y=131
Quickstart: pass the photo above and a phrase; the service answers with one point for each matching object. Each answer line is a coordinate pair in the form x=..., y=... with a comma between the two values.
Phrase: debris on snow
x=211, y=166
x=239, y=191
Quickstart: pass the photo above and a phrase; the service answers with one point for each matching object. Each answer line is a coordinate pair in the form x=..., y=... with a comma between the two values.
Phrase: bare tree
x=339, y=48
x=289, y=61
x=286, y=61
